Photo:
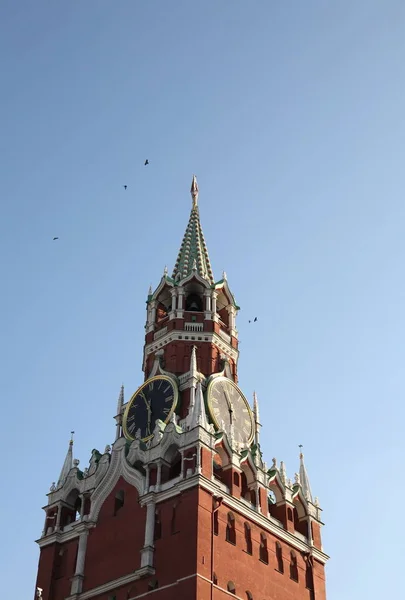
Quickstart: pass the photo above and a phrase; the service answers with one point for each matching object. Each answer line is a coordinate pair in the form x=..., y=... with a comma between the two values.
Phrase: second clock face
x=155, y=399
x=229, y=409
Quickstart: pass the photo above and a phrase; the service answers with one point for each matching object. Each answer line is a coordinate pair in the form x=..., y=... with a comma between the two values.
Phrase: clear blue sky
x=291, y=114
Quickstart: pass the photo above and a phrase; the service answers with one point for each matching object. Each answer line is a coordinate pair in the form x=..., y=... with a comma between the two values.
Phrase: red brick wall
x=113, y=547
x=183, y=549
x=232, y=563
x=176, y=552
x=45, y=566
x=177, y=355
x=56, y=566
x=177, y=590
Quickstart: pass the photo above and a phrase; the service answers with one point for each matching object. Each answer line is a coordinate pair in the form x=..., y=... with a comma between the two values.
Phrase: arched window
x=77, y=508
x=249, y=596
x=216, y=523
x=173, y=523
x=248, y=538
x=293, y=567
x=119, y=501
x=157, y=534
x=194, y=303
x=264, y=553
x=279, y=558
x=231, y=587
x=60, y=563
x=175, y=467
x=161, y=312
x=309, y=577
x=230, y=529
x=71, y=512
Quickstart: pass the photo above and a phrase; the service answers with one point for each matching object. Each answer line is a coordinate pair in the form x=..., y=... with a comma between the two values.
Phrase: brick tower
x=182, y=505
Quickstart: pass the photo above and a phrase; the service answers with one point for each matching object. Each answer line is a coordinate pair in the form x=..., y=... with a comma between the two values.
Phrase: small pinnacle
x=71, y=436
x=194, y=191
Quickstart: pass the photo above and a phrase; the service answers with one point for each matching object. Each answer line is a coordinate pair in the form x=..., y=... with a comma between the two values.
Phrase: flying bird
x=254, y=320
x=146, y=162
x=55, y=238
x=125, y=187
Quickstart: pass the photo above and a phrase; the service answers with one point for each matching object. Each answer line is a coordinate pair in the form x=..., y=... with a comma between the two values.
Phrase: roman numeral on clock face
x=169, y=399
x=166, y=411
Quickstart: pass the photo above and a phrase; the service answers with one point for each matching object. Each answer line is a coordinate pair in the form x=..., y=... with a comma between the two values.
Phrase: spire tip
x=194, y=191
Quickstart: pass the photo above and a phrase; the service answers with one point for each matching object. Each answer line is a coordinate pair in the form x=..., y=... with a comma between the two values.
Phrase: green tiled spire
x=193, y=252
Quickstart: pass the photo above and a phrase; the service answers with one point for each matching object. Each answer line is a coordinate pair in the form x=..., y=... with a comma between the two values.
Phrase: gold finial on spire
x=71, y=437
x=194, y=191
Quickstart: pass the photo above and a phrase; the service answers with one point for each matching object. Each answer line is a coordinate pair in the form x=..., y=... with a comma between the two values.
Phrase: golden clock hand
x=146, y=402
x=226, y=398
x=149, y=409
x=228, y=401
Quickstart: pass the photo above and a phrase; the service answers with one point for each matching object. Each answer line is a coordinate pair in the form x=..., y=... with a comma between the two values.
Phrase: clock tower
x=183, y=504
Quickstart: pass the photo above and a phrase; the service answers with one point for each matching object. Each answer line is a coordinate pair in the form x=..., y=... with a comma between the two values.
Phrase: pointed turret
x=199, y=416
x=256, y=417
x=68, y=463
x=193, y=250
x=193, y=376
x=194, y=191
x=120, y=402
x=118, y=418
x=304, y=480
x=193, y=363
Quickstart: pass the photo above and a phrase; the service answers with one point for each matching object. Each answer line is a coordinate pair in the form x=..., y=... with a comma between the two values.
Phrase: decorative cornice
x=119, y=467
x=114, y=584
x=60, y=537
x=172, y=336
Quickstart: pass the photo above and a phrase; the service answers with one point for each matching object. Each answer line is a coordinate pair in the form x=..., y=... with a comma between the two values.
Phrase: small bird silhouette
x=254, y=320
x=55, y=238
x=125, y=187
x=146, y=162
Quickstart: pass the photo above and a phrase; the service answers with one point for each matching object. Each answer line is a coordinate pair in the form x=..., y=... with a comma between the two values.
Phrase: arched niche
x=194, y=296
x=300, y=516
x=71, y=511
x=223, y=303
x=163, y=304
x=171, y=467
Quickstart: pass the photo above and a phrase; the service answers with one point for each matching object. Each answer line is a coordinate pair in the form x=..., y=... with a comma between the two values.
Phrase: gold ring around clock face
x=229, y=409
x=155, y=399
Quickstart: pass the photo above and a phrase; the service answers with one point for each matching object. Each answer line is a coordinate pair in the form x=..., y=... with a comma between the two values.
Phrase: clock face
x=155, y=399
x=228, y=408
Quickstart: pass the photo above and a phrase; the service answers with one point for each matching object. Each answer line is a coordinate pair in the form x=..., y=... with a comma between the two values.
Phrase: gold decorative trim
x=214, y=381
x=172, y=382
